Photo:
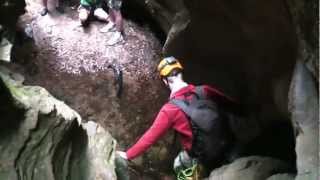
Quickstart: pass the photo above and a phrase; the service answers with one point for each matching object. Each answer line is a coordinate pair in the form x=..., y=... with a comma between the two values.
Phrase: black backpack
x=211, y=135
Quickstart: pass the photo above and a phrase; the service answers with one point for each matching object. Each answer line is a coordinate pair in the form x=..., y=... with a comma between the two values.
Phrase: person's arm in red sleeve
x=159, y=127
x=223, y=100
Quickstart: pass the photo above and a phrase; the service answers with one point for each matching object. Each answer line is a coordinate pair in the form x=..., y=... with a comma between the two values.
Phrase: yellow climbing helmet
x=168, y=64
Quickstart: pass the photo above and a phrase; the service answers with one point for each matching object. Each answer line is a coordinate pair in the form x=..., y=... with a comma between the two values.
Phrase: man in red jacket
x=171, y=116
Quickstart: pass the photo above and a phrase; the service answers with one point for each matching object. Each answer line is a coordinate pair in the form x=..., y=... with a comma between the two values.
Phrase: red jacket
x=170, y=116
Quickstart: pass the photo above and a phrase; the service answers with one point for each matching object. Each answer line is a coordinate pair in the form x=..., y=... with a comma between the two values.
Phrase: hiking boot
x=84, y=23
x=115, y=38
x=28, y=31
x=110, y=27
x=44, y=11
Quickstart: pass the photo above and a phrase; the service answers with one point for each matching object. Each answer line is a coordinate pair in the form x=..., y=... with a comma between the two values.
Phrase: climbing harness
x=186, y=167
x=191, y=173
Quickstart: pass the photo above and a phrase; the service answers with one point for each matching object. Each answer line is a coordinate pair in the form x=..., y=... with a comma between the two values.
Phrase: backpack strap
x=200, y=92
x=182, y=105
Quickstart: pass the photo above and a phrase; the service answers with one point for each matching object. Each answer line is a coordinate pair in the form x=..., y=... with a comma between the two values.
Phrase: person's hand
x=122, y=154
x=121, y=166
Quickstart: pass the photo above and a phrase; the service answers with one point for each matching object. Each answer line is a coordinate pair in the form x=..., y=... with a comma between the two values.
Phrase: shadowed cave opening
x=141, y=16
x=237, y=47
x=278, y=141
x=11, y=114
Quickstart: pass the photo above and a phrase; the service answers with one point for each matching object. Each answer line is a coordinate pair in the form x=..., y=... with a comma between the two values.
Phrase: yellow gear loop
x=191, y=173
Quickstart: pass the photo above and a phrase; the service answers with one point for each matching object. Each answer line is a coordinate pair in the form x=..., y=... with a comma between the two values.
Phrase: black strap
x=182, y=105
x=200, y=92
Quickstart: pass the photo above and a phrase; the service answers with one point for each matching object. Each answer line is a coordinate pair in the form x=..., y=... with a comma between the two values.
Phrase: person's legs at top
x=101, y=14
x=118, y=20
x=84, y=12
x=44, y=10
x=112, y=15
x=59, y=8
x=110, y=27
x=115, y=14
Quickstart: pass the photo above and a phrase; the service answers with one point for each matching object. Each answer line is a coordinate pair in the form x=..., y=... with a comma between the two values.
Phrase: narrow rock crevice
x=48, y=126
x=11, y=115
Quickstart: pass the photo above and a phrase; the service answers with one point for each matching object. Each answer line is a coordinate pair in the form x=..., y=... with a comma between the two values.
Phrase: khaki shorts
x=87, y=8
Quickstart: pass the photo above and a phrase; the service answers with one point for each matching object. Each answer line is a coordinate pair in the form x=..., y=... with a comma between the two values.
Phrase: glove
x=122, y=154
x=121, y=163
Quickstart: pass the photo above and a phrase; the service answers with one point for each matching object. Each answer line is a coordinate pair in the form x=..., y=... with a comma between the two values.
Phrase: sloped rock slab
x=42, y=138
x=249, y=168
x=282, y=177
x=304, y=107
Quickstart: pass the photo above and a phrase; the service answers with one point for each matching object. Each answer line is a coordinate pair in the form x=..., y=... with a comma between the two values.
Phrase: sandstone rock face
x=304, y=106
x=305, y=17
x=282, y=177
x=249, y=168
x=42, y=138
x=304, y=88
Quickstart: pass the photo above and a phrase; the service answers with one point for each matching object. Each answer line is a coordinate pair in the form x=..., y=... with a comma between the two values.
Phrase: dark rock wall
x=250, y=50
x=246, y=48
x=10, y=10
x=305, y=15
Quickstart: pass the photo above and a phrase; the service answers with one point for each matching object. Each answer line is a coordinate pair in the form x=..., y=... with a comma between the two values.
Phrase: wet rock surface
x=42, y=138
